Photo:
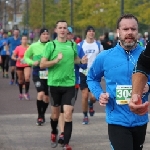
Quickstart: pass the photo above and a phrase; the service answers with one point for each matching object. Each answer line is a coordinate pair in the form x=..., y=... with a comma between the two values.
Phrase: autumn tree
x=99, y=13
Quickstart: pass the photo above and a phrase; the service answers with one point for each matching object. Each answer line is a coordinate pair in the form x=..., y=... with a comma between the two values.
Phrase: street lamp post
x=15, y=7
x=71, y=13
x=15, y=18
x=0, y=14
x=27, y=15
x=5, y=17
x=122, y=7
x=43, y=13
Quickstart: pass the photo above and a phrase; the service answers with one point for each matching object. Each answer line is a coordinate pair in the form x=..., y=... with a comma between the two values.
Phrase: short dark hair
x=24, y=35
x=5, y=32
x=16, y=29
x=89, y=28
x=60, y=21
x=126, y=16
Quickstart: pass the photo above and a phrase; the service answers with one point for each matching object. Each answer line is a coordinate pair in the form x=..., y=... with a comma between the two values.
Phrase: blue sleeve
x=80, y=51
x=99, y=46
x=1, y=44
x=94, y=76
x=0, y=49
x=9, y=40
x=81, y=54
x=77, y=76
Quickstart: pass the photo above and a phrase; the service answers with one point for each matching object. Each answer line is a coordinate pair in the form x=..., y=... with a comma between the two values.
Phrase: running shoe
x=26, y=96
x=67, y=147
x=85, y=121
x=20, y=97
x=54, y=140
x=11, y=82
x=43, y=117
x=39, y=122
x=91, y=112
x=61, y=139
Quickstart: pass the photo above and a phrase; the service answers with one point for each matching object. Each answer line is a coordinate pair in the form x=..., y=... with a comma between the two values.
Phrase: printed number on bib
x=85, y=72
x=43, y=74
x=123, y=94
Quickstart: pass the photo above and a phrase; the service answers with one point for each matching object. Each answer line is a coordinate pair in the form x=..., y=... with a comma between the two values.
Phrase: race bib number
x=4, y=48
x=43, y=74
x=123, y=94
x=85, y=72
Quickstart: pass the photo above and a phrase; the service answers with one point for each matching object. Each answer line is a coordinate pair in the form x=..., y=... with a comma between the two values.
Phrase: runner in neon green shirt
x=33, y=57
x=61, y=74
x=35, y=50
x=59, y=56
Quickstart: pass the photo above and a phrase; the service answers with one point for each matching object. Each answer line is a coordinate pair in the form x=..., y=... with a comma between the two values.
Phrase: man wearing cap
x=91, y=48
x=70, y=34
x=33, y=57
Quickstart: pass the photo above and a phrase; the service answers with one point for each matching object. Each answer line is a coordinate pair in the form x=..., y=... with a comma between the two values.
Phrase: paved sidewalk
x=19, y=132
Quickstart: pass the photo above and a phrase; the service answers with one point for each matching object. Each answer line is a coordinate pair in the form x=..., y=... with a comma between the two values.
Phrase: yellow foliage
x=99, y=13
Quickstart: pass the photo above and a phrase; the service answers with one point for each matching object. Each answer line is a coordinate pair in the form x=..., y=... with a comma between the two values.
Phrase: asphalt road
x=9, y=103
x=19, y=132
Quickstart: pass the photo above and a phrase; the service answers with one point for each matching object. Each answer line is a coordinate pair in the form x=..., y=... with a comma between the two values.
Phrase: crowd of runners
x=61, y=66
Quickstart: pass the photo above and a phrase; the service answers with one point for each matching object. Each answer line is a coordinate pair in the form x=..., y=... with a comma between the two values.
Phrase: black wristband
x=80, y=62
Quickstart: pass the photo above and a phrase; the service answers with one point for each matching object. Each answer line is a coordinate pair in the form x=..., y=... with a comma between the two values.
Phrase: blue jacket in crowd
x=2, y=50
x=77, y=67
x=13, y=43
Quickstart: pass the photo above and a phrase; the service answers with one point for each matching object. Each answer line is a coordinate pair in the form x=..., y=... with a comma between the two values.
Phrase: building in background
x=11, y=14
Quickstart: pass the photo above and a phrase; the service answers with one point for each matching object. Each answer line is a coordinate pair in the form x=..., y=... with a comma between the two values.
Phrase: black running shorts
x=40, y=84
x=126, y=138
x=21, y=68
x=12, y=63
x=76, y=94
x=83, y=84
x=62, y=96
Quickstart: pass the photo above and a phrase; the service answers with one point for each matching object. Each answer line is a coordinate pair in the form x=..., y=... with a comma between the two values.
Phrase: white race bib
x=43, y=74
x=4, y=48
x=85, y=72
x=123, y=94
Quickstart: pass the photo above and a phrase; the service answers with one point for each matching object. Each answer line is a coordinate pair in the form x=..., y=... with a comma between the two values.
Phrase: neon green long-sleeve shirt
x=34, y=53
